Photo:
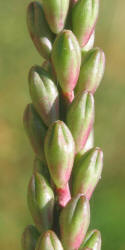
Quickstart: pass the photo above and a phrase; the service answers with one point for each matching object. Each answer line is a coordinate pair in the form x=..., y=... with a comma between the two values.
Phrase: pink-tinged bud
x=66, y=59
x=29, y=238
x=56, y=13
x=39, y=29
x=84, y=17
x=41, y=168
x=87, y=172
x=41, y=202
x=59, y=151
x=91, y=72
x=92, y=241
x=80, y=118
x=49, y=241
x=35, y=130
x=74, y=222
x=44, y=94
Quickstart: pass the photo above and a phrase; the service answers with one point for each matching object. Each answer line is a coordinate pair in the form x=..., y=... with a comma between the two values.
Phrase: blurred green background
x=17, y=55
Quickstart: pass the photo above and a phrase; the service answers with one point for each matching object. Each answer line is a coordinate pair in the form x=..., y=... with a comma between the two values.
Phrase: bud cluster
x=59, y=123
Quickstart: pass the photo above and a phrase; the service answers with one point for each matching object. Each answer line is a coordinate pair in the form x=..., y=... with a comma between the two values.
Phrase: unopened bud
x=84, y=17
x=41, y=202
x=92, y=241
x=74, y=222
x=91, y=72
x=35, y=130
x=39, y=29
x=49, y=241
x=56, y=13
x=80, y=118
x=59, y=151
x=87, y=172
x=44, y=94
x=66, y=59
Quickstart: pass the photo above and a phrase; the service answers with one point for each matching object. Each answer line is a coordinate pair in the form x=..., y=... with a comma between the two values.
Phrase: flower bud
x=56, y=13
x=29, y=238
x=80, y=118
x=39, y=29
x=87, y=172
x=92, y=241
x=44, y=94
x=91, y=71
x=35, y=130
x=84, y=17
x=41, y=202
x=49, y=241
x=59, y=151
x=74, y=222
x=66, y=59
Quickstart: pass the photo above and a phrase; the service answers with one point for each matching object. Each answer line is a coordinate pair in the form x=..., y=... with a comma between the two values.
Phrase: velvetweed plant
x=59, y=123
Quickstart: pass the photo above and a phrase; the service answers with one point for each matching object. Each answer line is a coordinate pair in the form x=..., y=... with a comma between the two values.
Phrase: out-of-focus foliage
x=17, y=55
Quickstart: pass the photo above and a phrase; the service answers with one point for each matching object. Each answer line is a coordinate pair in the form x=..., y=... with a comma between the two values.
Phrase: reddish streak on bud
x=64, y=195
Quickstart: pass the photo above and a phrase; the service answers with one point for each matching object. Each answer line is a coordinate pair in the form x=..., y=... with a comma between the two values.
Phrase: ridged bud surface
x=91, y=72
x=44, y=94
x=87, y=172
x=84, y=16
x=35, y=130
x=41, y=202
x=80, y=118
x=49, y=241
x=59, y=151
x=74, y=222
x=66, y=58
x=92, y=241
x=56, y=13
x=29, y=238
x=39, y=29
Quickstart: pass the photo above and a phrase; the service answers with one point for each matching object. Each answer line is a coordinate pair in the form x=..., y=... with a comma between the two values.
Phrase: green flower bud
x=41, y=202
x=29, y=238
x=66, y=59
x=39, y=29
x=92, y=241
x=91, y=71
x=59, y=151
x=44, y=94
x=35, y=130
x=49, y=241
x=41, y=168
x=80, y=118
x=74, y=222
x=56, y=13
x=84, y=17
x=87, y=172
